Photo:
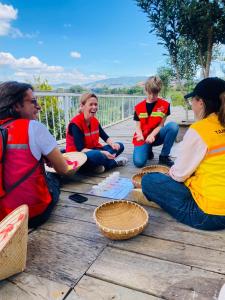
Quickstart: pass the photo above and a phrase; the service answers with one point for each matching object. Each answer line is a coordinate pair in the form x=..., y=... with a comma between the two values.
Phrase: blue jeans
x=166, y=136
x=176, y=199
x=96, y=158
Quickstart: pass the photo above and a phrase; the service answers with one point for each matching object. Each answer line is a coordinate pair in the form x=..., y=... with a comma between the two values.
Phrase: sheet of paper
x=116, y=190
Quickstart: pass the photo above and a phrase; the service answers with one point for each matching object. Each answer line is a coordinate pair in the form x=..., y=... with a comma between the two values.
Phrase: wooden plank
x=204, y=258
x=157, y=277
x=75, y=228
x=60, y=257
x=29, y=287
x=163, y=226
x=91, y=288
x=194, y=256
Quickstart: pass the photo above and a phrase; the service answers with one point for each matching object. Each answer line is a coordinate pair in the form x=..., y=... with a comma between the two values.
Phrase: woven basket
x=155, y=168
x=13, y=242
x=138, y=197
x=72, y=156
x=120, y=220
x=136, y=179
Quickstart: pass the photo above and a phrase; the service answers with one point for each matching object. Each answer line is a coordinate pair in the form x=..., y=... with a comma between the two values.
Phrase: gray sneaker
x=99, y=169
x=121, y=161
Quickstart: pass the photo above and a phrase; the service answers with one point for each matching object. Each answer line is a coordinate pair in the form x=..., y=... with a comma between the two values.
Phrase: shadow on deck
x=68, y=258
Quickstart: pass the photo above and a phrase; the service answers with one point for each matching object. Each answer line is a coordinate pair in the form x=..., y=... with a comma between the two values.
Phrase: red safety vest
x=19, y=162
x=91, y=134
x=148, y=123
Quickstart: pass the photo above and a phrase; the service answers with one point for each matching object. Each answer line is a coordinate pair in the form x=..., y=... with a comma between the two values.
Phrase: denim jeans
x=166, y=136
x=96, y=158
x=176, y=199
x=53, y=182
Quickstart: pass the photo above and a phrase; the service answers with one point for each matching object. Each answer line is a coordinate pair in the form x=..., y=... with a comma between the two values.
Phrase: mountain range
x=118, y=82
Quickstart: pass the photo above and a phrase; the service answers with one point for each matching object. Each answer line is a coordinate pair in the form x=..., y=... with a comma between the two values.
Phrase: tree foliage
x=51, y=114
x=188, y=29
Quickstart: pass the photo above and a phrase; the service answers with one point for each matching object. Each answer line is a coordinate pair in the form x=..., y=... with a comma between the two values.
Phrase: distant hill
x=117, y=82
x=63, y=85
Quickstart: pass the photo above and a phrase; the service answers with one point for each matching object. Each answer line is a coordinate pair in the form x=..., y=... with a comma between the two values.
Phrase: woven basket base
x=138, y=197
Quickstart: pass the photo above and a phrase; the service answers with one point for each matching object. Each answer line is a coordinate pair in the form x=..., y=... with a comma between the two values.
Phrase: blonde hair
x=153, y=85
x=221, y=113
x=84, y=98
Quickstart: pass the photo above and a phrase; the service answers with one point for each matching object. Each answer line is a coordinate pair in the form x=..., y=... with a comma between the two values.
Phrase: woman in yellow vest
x=194, y=190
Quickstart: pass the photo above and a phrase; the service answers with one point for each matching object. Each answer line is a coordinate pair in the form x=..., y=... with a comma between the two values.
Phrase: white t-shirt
x=40, y=139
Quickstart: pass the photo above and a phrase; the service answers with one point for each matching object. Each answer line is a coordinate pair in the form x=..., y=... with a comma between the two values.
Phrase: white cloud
x=7, y=59
x=7, y=15
x=75, y=54
x=25, y=69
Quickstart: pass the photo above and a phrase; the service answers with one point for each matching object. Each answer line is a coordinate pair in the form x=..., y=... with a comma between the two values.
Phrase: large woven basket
x=120, y=220
x=136, y=179
x=13, y=242
x=79, y=157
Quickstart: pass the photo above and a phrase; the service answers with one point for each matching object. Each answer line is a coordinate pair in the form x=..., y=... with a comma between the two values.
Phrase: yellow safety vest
x=207, y=184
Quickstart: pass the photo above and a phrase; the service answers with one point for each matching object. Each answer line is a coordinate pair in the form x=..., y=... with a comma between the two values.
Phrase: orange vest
x=19, y=162
x=91, y=134
x=150, y=122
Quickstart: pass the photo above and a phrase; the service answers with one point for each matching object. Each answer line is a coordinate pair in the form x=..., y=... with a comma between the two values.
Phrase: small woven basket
x=72, y=156
x=136, y=179
x=120, y=220
x=13, y=242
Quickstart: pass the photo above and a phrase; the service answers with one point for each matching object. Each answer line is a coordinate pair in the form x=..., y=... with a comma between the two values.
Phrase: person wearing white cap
x=23, y=180
x=194, y=190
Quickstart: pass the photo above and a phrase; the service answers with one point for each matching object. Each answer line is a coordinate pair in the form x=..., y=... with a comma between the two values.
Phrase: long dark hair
x=221, y=113
x=12, y=92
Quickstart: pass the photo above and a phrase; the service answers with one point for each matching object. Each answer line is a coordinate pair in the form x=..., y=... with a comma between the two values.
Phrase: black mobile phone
x=78, y=198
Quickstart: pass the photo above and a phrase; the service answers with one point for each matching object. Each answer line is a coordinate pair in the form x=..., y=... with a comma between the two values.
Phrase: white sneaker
x=121, y=161
x=99, y=169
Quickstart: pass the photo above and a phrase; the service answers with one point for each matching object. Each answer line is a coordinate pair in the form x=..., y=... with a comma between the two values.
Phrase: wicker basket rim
x=120, y=231
x=154, y=166
x=80, y=157
x=21, y=208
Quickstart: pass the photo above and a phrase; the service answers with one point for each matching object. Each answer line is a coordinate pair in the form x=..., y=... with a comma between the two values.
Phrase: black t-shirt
x=78, y=135
x=149, y=107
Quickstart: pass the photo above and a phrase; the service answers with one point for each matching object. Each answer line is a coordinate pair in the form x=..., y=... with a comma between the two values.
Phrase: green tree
x=188, y=29
x=203, y=23
x=77, y=89
x=52, y=113
x=163, y=16
x=166, y=74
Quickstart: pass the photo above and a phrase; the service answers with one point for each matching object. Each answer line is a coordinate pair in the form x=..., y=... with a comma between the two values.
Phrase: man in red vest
x=24, y=179
x=150, y=116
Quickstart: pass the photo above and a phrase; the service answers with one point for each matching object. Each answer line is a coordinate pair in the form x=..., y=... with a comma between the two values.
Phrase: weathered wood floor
x=68, y=258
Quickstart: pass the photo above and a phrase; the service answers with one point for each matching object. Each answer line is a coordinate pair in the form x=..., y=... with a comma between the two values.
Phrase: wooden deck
x=68, y=258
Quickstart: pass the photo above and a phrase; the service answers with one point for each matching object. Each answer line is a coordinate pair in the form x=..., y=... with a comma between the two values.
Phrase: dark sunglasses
x=34, y=101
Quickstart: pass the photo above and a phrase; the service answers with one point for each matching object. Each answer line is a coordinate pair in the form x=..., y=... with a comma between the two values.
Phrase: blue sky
x=76, y=41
